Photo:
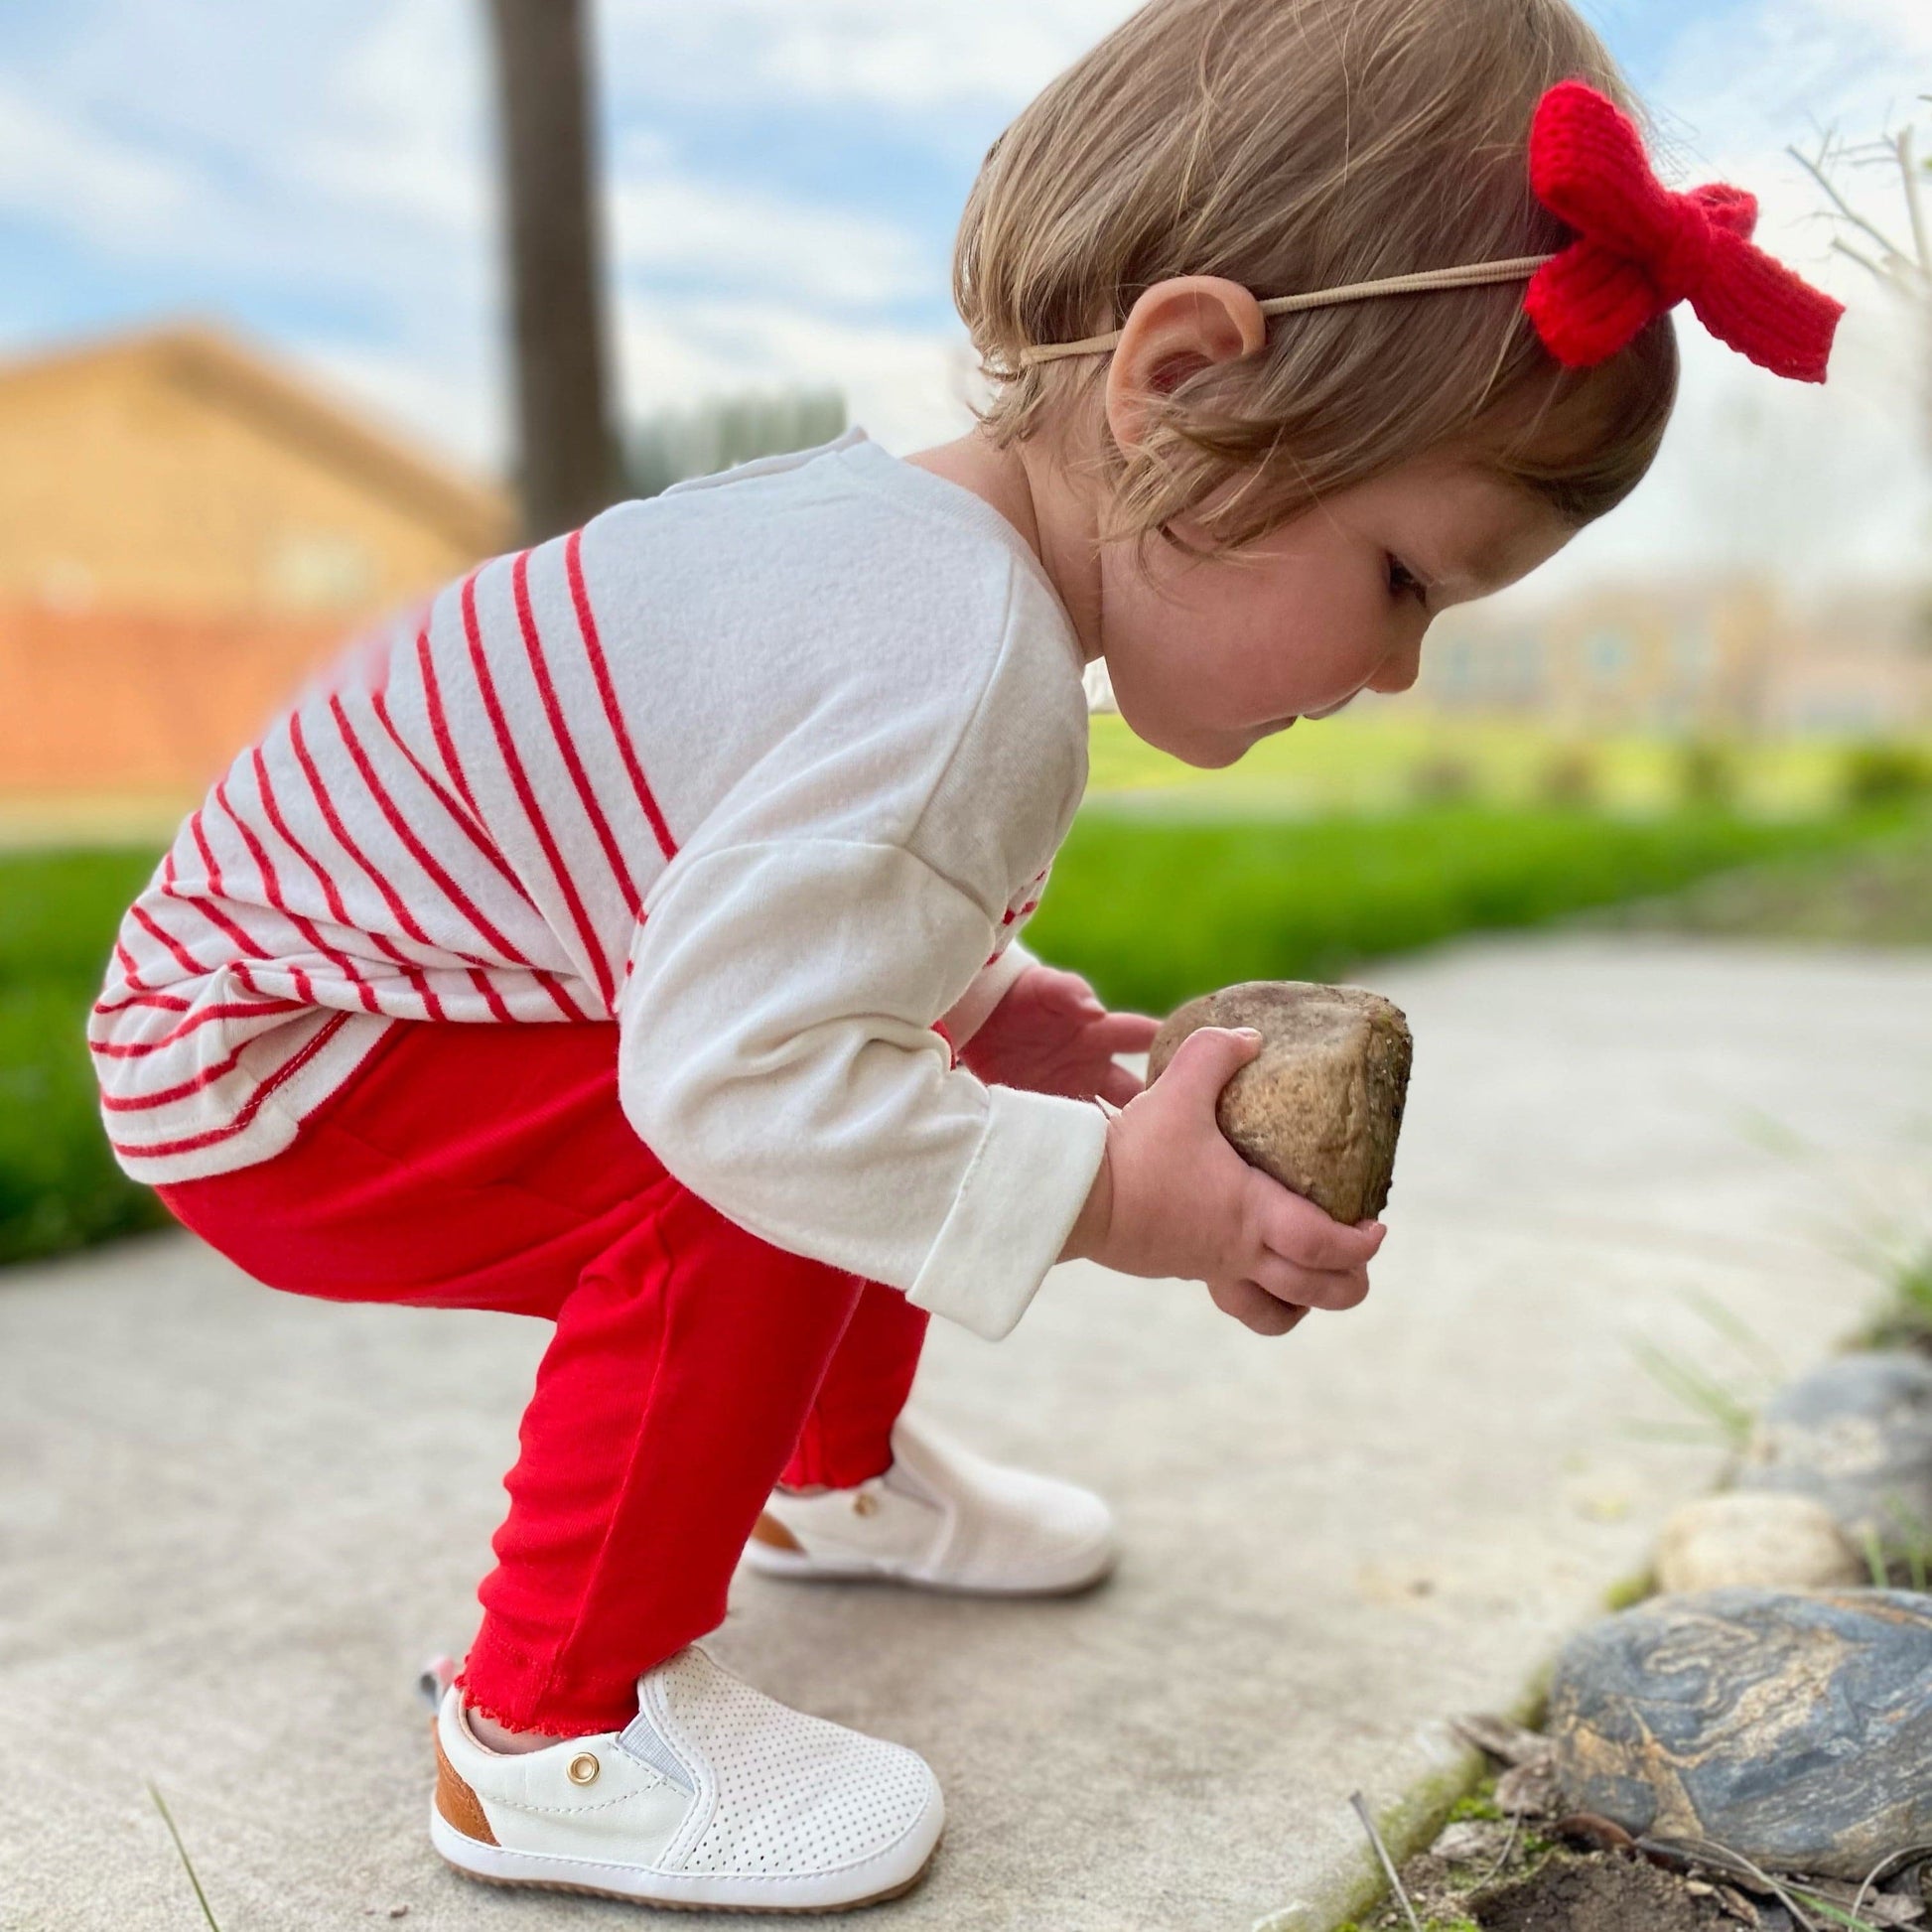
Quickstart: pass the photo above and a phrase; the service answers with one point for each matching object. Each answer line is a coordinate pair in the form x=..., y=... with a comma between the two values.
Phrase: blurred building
x=1861, y=664
x=185, y=529
x=1717, y=656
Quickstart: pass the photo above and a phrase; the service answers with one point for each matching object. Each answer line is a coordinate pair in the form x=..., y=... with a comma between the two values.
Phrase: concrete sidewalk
x=233, y=1523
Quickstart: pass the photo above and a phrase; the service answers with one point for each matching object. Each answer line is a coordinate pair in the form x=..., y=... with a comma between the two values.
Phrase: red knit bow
x=1641, y=249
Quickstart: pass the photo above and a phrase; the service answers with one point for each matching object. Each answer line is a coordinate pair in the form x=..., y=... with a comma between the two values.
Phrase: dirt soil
x=1598, y=1891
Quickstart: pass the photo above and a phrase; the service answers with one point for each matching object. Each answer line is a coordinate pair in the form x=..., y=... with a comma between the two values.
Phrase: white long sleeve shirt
x=769, y=770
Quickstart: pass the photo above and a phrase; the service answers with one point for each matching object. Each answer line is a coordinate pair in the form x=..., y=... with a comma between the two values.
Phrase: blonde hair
x=1291, y=145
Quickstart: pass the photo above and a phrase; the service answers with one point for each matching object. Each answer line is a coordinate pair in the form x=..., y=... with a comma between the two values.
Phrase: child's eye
x=1403, y=582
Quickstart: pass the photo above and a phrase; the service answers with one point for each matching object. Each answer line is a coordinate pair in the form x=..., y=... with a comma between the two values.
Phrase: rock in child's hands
x=1176, y=1199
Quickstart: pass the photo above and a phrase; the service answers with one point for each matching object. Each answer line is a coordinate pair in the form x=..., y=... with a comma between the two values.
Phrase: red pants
x=693, y=1364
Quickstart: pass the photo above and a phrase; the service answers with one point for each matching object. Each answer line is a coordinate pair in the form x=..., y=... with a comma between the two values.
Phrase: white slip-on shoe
x=943, y=1518
x=713, y=1797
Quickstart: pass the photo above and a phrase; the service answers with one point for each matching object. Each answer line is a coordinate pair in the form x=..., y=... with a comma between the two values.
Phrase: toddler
x=634, y=942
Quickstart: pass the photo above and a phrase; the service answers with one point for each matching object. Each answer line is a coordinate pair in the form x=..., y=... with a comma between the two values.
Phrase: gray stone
x=1792, y=1726
x=1471, y=1840
x=1759, y=1537
x=1857, y=1437
x=1320, y=1105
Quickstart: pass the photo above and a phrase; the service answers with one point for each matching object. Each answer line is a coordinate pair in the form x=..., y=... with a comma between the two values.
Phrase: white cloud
x=793, y=251
x=907, y=387
x=455, y=405
x=106, y=189
x=904, y=59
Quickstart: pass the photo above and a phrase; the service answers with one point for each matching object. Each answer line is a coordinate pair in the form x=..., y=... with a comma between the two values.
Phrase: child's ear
x=1177, y=328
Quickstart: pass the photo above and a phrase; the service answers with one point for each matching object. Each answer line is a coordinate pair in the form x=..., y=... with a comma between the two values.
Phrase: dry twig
x=1382, y=1852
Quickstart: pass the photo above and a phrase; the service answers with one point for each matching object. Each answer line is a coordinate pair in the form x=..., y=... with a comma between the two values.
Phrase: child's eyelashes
x=1403, y=582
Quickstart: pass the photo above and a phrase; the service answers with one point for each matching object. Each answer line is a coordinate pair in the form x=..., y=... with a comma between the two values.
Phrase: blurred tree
x=567, y=466
x=673, y=444
x=1906, y=268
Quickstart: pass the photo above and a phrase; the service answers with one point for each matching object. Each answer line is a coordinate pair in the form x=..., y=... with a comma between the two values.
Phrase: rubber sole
x=467, y=1856
x=795, y=1567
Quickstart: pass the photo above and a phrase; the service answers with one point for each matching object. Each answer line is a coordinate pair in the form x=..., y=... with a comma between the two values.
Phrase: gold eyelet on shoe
x=864, y=1503
x=582, y=1769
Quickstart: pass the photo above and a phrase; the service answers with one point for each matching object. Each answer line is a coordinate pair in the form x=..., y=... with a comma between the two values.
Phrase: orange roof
x=110, y=702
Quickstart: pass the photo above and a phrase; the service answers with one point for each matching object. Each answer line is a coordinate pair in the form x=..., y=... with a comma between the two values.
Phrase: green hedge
x=59, y=1186
x=1155, y=909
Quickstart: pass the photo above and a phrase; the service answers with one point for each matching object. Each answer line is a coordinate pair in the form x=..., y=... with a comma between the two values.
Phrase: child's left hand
x=1052, y=1035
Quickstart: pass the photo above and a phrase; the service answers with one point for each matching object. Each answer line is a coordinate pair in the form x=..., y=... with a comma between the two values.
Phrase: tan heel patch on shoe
x=460, y=1808
x=767, y=1529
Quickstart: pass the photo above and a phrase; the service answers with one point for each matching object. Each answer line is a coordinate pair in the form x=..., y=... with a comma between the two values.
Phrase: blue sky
x=785, y=177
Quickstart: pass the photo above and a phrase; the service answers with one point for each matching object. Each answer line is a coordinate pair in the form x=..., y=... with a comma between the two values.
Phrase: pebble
x=1763, y=1537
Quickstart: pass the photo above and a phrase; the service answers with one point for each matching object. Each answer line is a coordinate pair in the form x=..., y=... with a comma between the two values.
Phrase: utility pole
x=567, y=465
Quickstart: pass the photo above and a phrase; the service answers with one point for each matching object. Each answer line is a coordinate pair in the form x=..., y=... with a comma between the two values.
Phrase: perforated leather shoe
x=941, y=1518
x=713, y=1797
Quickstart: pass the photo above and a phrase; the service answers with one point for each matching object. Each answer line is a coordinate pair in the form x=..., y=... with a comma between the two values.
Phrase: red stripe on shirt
x=519, y=779
x=114, y=1104
x=457, y=815
x=285, y=1071
x=601, y=670
x=333, y=899
x=439, y=722
x=447, y=884
x=307, y=927
x=167, y=1002
x=183, y=957
x=558, y=732
x=269, y=1008
x=340, y=833
x=549, y=982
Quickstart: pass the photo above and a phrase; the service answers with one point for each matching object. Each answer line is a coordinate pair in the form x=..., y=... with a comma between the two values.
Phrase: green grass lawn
x=1153, y=906
x=1154, y=909
x=59, y=1186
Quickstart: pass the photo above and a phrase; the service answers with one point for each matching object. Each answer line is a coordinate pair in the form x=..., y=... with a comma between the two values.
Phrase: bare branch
x=1816, y=171
x=1844, y=247
x=1914, y=206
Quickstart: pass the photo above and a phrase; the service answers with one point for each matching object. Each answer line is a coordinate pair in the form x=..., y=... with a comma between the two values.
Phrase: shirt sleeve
x=990, y=985
x=776, y=1053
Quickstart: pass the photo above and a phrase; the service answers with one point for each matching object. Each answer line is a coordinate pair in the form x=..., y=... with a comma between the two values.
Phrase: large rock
x=1857, y=1437
x=1793, y=1726
x=1756, y=1537
x=1320, y=1105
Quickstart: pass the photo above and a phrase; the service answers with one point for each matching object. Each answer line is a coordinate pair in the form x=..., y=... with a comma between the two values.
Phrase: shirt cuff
x=1023, y=1189
x=971, y=1011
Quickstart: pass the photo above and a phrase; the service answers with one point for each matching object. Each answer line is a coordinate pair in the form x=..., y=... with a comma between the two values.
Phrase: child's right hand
x=1173, y=1199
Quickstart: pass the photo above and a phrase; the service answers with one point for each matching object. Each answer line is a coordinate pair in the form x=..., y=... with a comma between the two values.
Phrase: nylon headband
x=1464, y=275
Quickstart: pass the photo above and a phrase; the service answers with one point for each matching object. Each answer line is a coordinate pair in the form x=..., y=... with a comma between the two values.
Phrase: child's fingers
x=1254, y=1308
x=1068, y=991
x=1124, y=1032
x=1298, y=1231
x=1203, y=1065
x=1314, y=1288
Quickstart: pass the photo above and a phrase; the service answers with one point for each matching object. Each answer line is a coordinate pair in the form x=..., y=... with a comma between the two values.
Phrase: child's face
x=1206, y=658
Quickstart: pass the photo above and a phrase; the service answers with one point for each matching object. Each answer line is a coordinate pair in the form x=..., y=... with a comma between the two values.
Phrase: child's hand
x=1173, y=1199
x=1052, y=1035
